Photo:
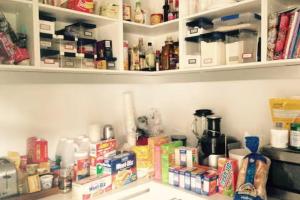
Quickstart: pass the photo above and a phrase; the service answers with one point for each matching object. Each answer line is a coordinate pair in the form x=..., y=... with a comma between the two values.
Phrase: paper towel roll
x=94, y=132
x=129, y=113
x=279, y=138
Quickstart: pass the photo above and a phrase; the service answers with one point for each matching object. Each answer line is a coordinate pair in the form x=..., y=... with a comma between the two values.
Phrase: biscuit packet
x=253, y=173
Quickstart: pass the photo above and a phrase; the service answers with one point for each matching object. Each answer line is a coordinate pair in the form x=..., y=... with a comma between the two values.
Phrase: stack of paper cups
x=129, y=119
x=279, y=138
x=94, y=133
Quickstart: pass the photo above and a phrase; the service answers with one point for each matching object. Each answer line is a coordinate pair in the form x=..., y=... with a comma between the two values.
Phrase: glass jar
x=65, y=181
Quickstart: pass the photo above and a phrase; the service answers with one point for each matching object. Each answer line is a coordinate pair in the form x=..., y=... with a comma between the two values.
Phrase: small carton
x=196, y=179
x=228, y=174
x=37, y=150
x=171, y=175
x=168, y=158
x=91, y=187
x=186, y=156
x=210, y=182
x=122, y=168
x=187, y=177
x=143, y=159
x=182, y=177
x=157, y=163
x=99, y=150
x=176, y=175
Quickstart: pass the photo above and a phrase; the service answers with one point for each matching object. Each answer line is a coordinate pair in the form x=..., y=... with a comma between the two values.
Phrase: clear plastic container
x=81, y=30
x=86, y=46
x=213, y=49
x=48, y=43
x=235, y=19
x=87, y=61
x=66, y=45
x=241, y=46
x=49, y=58
x=69, y=61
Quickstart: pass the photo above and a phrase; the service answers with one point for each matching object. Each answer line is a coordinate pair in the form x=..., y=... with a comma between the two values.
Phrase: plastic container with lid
x=87, y=61
x=240, y=18
x=241, y=46
x=81, y=30
x=66, y=44
x=69, y=60
x=49, y=58
x=86, y=46
x=47, y=41
x=212, y=49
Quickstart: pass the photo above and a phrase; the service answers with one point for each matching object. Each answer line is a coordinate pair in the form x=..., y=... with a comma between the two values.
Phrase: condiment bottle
x=150, y=58
x=138, y=15
x=65, y=181
x=166, y=9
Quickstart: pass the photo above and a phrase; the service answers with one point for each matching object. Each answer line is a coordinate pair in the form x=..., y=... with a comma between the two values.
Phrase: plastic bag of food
x=253, y=174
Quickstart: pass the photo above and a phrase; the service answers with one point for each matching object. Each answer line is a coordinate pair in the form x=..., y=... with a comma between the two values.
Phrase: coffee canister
x=108, y=132
x=295, y=136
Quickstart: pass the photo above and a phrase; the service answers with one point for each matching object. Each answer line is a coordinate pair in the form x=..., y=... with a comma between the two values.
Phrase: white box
x=213, y=53
x=47, y=27
x=91, y=187
x=192, y=61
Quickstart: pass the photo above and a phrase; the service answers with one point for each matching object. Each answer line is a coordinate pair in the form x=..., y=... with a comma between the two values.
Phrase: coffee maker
x=212, y=143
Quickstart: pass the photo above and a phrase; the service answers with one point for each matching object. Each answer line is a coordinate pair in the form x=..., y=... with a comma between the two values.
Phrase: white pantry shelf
x=151, y=30
x=14, y=6
x=233, y=8
x=71, y=16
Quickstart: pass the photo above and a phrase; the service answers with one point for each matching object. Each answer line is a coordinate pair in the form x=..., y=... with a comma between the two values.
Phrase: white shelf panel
x=14, y=6
x=67, y=15
x=151, y=30
x=243, y=6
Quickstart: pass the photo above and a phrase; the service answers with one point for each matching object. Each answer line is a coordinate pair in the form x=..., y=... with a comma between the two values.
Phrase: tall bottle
x=142, y=54
x=138, y=14
x=158, y=61
x=166, y=9
x=167, y=54
x=150, y=58
x=135, y=61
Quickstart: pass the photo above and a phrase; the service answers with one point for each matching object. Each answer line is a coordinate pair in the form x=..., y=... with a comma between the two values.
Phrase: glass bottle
x=142, y=56
x=158, y=61
x=138, y=14
x=65, y=181
x=150, y=58
x=167, y=54
x=166, y=9
x=135, y=61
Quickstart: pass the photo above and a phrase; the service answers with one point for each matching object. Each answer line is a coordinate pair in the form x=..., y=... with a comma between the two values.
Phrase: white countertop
x=147, y=190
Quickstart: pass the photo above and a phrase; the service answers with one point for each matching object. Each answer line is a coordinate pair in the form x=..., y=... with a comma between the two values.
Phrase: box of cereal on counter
x=122, y=168
x=228, y=173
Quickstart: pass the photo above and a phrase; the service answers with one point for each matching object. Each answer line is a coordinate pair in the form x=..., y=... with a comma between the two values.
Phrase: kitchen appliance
x=8, y=178
x=108, y=132
x=211, y=142
x=284, y=174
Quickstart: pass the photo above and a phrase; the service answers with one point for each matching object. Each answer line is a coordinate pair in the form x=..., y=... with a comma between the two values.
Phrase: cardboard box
x=196, y=179
x=91, y=187
x=156, y=141
x=122, y=168
x=37, y=150
x=228, y=173
x=100, y=150
x=157, y=163
x=210, y=182
x=168, y=158
x=186, y=157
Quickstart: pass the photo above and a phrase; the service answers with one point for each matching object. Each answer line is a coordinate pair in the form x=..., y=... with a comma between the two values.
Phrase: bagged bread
x=253, y=174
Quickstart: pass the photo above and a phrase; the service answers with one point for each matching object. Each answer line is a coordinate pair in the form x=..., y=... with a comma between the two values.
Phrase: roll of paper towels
x=279, y=138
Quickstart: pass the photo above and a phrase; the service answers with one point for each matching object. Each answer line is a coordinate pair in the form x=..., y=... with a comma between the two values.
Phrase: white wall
x=54, y=110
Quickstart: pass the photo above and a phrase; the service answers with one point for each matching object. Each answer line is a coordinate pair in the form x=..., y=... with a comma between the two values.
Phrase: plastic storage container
x=241, y=46
x=81, y=30
x=65, y=44
x=235, y=19
x=212, y=49
x=49, y=58
x=48, y=42
x=69, y=60
x=87, y=61
x=47, y=24
x=86, y=46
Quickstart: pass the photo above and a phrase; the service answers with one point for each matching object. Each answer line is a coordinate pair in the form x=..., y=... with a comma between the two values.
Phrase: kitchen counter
x=147, y=190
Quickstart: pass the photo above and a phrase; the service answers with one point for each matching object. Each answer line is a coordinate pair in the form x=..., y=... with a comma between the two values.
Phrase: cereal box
x=157, y=163
x=37, y=150
x=91, y=187
x=156, y=141
x=196, y=179
x=228, y=173
x=167, y=158
x=122, y=168
x=209, y=181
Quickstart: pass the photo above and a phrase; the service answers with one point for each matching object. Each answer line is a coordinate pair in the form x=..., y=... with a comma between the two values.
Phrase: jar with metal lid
x=65, y=181
x=295, y=136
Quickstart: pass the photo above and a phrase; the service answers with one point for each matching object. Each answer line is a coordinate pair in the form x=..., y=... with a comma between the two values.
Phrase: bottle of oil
x=167, y=54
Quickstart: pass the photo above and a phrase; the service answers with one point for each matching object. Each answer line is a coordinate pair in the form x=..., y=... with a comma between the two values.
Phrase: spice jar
x=156, y=19
x=65, y=181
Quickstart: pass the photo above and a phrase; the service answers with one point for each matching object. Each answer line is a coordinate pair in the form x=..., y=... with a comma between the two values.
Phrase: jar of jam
x=156, y=19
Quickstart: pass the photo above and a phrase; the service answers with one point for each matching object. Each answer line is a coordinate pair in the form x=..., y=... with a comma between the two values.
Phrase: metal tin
x=108, y=132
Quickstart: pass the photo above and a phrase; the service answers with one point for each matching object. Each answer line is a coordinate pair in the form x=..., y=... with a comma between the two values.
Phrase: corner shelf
x=67, y=15
x=151, y=30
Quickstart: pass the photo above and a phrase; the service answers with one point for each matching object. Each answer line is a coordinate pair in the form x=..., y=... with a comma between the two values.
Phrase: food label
x=192, y=61
x=46, y=44
x=45, y=27
x=247, y=55
x=295, y=139
x=88, y=33
x=49, y=61
x=208, y=60
x=69, y=47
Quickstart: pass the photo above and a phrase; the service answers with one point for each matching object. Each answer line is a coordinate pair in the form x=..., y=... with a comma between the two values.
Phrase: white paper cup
x=46, y=182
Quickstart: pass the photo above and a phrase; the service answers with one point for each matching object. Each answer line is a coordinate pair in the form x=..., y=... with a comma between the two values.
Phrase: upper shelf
x=151, y=30
x=67, y=15
x=239, y=7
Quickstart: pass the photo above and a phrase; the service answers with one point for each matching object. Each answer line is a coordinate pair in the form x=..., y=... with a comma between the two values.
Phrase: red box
x=228, y=173
x=100, y=150
x=37, y=150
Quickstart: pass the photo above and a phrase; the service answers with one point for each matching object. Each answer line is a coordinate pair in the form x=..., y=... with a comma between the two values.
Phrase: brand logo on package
x=124, y=165
x=97, y=186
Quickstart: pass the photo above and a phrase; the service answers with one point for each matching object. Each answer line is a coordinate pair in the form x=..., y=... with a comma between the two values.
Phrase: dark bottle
x=166, y=9
x=158, y=61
